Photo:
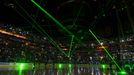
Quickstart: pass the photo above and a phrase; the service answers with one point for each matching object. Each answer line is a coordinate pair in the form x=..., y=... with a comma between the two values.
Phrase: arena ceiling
x=107, y=18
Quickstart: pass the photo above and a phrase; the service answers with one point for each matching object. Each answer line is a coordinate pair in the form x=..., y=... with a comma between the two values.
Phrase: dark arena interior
x=67, y=37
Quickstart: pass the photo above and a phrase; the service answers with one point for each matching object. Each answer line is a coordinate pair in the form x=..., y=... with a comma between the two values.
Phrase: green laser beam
x=55, y=20
x=50, y=39
x=20, y=67
x=70, y=33
x=37, y=10
x=74, y=23
x=20, y=72
x=39, y=30
x=36, y=14
x=77, y=16
x=105, y=49
x=71, y=45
